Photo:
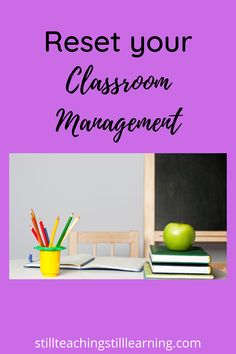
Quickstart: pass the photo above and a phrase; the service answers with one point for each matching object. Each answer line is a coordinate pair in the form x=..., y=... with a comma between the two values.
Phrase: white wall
x=106, y=190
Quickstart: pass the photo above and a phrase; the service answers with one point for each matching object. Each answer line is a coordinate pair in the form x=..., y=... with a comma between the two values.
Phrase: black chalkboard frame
x=152, y=235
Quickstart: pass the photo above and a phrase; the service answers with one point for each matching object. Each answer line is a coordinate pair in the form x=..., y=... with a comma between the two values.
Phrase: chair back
x=112, y=238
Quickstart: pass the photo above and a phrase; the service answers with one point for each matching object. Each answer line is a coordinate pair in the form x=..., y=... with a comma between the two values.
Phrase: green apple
x=178, y=236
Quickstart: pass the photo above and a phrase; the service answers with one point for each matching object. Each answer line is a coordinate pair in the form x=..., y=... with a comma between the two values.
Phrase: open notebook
x=85, y=261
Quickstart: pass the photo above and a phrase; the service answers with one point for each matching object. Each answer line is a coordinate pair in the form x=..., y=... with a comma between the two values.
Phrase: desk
x=17, y=271
x=219, y=270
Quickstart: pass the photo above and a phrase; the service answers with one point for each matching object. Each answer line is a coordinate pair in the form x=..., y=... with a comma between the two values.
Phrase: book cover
x=180, y=268
x=149, y=274
x=161, y=254
x=120, y=113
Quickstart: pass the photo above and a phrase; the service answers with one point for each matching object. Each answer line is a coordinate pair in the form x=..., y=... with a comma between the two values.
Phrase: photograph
x=118, y=216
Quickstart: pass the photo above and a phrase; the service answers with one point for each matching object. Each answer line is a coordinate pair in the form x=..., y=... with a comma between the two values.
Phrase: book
x=183, y=268
x=130, y=264
x=85, y=261
x=66, y=262
x=161, y=254
x=148, y=274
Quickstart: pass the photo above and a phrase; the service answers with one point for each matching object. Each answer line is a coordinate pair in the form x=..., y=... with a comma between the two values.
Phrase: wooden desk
x=17, y=271
x=219, y=270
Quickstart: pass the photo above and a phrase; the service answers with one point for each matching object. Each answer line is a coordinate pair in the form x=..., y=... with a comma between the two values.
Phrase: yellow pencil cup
x=49, y=260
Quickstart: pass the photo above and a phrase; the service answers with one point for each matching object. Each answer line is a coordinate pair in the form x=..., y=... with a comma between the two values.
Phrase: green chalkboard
x=191, y=188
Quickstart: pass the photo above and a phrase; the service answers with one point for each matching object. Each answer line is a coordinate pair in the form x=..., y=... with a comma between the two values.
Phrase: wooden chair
x=131, y=238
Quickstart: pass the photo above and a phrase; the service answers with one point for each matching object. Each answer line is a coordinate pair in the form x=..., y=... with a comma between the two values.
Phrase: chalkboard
x=191, y=188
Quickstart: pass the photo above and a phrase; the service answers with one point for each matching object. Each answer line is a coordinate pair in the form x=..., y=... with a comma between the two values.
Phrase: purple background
x=33, y=89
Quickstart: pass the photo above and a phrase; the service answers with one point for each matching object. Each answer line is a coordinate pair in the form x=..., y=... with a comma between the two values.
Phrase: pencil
x=46, y=233
x=64, y=230
x=43, y=233
x=71, y=227
x=34, y=233
x=54, y=230
x=34, y=221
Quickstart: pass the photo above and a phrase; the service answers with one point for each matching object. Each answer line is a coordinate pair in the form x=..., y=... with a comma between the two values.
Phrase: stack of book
x=167, y=264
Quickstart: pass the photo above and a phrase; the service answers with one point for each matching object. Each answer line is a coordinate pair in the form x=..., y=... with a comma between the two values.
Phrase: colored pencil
x=54, y=230
x=43, y=233
x=33, y=214
x=64, y=230
x=34, y=233
x=71, y=227
x=46, y=233
x=34, y=221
